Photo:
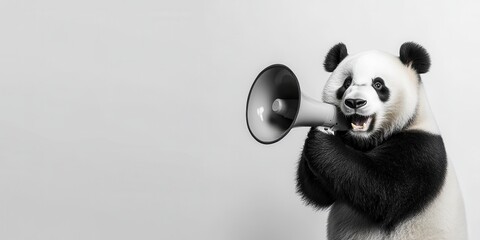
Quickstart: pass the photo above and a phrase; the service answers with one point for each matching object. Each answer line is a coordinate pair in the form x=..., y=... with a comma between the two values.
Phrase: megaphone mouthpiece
x=285, y=107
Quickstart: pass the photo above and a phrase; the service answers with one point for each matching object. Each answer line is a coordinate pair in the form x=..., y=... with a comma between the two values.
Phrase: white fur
x=363, y=68
x=444, y=217
x=424, y=119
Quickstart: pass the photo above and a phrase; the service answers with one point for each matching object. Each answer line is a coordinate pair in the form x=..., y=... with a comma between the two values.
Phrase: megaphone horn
x=275, y=105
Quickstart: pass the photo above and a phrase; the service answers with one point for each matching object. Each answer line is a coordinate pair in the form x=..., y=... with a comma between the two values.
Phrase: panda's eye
x=347, y=82
x=377, y=83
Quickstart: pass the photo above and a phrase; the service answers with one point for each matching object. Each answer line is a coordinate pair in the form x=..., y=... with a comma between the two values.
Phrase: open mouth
x=360, y=123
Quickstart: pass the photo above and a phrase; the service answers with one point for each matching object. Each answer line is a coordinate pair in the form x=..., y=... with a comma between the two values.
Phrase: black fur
x=336, y=54
x=388, y=184
x=414, y=54
x=314, y=189
x=344, y=87
x=363, y=144
x=383, y=93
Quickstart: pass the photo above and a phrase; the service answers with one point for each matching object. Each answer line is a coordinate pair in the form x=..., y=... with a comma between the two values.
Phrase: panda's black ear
x=336, y=54
x=414, y=55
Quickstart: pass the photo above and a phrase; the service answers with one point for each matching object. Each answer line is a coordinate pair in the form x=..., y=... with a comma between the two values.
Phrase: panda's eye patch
x=383, y=92
x=378, y=83
x=347, y=83
x=343, y=88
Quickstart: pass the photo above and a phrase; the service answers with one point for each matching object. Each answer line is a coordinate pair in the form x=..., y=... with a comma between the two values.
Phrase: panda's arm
x=314, y=189
x=390, y=183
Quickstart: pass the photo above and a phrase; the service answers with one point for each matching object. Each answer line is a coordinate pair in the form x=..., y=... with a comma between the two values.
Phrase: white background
x=125, y=119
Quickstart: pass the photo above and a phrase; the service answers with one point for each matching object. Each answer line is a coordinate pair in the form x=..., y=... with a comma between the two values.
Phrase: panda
x=387, y=176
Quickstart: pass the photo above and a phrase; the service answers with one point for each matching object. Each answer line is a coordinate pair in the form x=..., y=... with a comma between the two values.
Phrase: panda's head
x=376, y=91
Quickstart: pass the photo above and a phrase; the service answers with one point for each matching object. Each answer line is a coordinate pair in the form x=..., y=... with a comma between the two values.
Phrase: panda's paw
x=317, y=150
x=316, y=140
x=320, y=143
x=319, y=133
x=313, y=132
x=325, y=130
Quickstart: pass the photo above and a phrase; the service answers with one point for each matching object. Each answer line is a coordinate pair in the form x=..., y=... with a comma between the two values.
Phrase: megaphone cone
x=275, y=105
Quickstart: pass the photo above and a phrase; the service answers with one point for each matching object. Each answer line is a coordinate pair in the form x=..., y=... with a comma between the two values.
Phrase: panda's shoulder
x=415, y=145
x=416, y=136
x=419, y=134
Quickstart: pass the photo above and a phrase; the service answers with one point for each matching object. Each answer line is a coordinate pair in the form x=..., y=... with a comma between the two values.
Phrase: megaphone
x=275, y=105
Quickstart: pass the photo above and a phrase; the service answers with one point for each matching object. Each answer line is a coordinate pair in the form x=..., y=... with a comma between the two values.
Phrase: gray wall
x=125, y=119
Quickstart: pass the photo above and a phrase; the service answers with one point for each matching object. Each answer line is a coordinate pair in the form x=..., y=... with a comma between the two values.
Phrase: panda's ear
x=415, y=56
x=336, y=54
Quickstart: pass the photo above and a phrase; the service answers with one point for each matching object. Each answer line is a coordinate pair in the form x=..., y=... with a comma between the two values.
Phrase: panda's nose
x=355, y=103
